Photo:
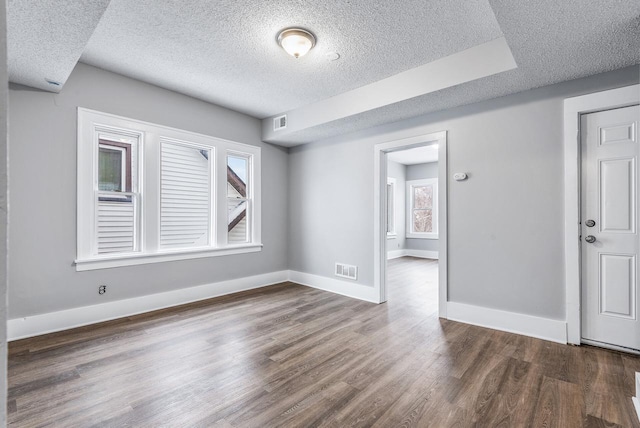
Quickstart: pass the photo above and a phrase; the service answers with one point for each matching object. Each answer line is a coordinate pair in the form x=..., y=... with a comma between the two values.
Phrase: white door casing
x=609, y=197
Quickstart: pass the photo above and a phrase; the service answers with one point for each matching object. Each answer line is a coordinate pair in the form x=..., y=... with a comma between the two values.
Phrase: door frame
x=574, y=108
x=380, y=211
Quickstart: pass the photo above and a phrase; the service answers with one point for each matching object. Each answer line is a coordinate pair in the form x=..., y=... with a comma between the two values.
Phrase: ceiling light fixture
x=296, y=41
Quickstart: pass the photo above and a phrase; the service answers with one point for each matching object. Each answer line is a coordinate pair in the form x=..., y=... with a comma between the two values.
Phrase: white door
x=610, y=242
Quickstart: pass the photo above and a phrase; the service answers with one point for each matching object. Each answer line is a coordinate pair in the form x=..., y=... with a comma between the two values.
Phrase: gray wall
x=42, y=231
x=505, y=221
x=4, y=206
x=421, y=172
x=399, y=172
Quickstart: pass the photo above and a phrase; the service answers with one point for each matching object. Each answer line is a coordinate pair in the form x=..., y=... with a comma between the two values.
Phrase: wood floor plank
x=605, y=389
x=422, y=397
x=292, y=356
x=593, y=422
x=381, y=394
x=509, y=406
x=559, y=405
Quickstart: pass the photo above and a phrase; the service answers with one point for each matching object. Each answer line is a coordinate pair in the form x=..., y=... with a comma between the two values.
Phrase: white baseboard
x=395, y=254
x=36, y=325
x=338, y=286
x=423, y=254
x=527, y=325
x=636, y=399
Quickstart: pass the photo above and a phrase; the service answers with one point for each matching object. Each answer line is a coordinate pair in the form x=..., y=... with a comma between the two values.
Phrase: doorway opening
x=412, y=225
x=411, y=220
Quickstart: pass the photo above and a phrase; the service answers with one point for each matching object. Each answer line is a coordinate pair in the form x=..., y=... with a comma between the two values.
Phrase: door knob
x=590, y=223
x=590, y=239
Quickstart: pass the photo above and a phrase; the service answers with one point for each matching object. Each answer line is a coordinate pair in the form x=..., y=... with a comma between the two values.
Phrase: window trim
x=149, y=136
x=410, y=233
x=132, y=259
x=87, y=211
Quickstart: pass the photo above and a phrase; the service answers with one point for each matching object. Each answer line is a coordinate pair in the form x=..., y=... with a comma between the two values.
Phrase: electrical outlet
x=102, y=289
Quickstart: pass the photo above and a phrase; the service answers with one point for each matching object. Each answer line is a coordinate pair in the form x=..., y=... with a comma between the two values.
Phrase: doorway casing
x=380, y=212
x=574, y=108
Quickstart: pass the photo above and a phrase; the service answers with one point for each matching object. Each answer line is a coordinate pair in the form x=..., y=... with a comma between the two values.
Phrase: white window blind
x=185, y=206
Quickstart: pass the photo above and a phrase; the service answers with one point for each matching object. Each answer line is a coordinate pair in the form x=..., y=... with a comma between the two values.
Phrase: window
x=391, y=207
x=114, y=167
x=148, y=193
x=118, y=213
x=185, y=195
x=422, y=209
x=238, y=192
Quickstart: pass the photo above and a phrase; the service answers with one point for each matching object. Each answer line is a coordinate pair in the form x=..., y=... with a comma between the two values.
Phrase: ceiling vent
x=280, y=122
x=52, y=82
x=346, y=271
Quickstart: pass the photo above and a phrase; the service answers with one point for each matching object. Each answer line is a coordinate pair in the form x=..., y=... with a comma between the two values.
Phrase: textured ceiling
x=46, y=38
x=225, y=51
x=552, y=41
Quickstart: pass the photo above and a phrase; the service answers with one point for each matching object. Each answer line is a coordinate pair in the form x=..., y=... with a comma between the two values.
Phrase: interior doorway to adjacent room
x=412, y=225
x=411, y=218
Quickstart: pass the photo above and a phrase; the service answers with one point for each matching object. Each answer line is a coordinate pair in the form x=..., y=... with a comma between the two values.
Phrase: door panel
x=610, y=246
x=617, y=285
x=617, y=195
x=622, y=133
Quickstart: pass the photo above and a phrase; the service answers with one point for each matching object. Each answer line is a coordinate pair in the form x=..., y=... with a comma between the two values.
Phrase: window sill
x=107, y=262
x=422, y=235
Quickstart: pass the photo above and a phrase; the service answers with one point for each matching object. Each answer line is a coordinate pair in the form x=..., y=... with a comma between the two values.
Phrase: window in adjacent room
x=148, y=193
x=422, y=209
x=391, y=207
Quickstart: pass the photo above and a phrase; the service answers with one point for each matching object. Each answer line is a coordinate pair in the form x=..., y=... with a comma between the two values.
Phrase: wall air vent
x=346, y=271
x=280, y=122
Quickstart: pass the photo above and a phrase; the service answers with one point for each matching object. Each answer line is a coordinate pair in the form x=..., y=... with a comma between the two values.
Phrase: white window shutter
x=115, y=227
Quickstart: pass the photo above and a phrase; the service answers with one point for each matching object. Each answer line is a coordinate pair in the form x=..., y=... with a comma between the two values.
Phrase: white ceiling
x=225, y=51
x=46, y=38
x=415, y=156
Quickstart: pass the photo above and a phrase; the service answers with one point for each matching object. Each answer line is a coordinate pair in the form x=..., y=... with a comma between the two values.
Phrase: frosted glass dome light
x=296, y=41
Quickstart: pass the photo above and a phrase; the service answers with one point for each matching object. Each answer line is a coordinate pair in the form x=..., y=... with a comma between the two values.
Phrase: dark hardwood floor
x=292, y=356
